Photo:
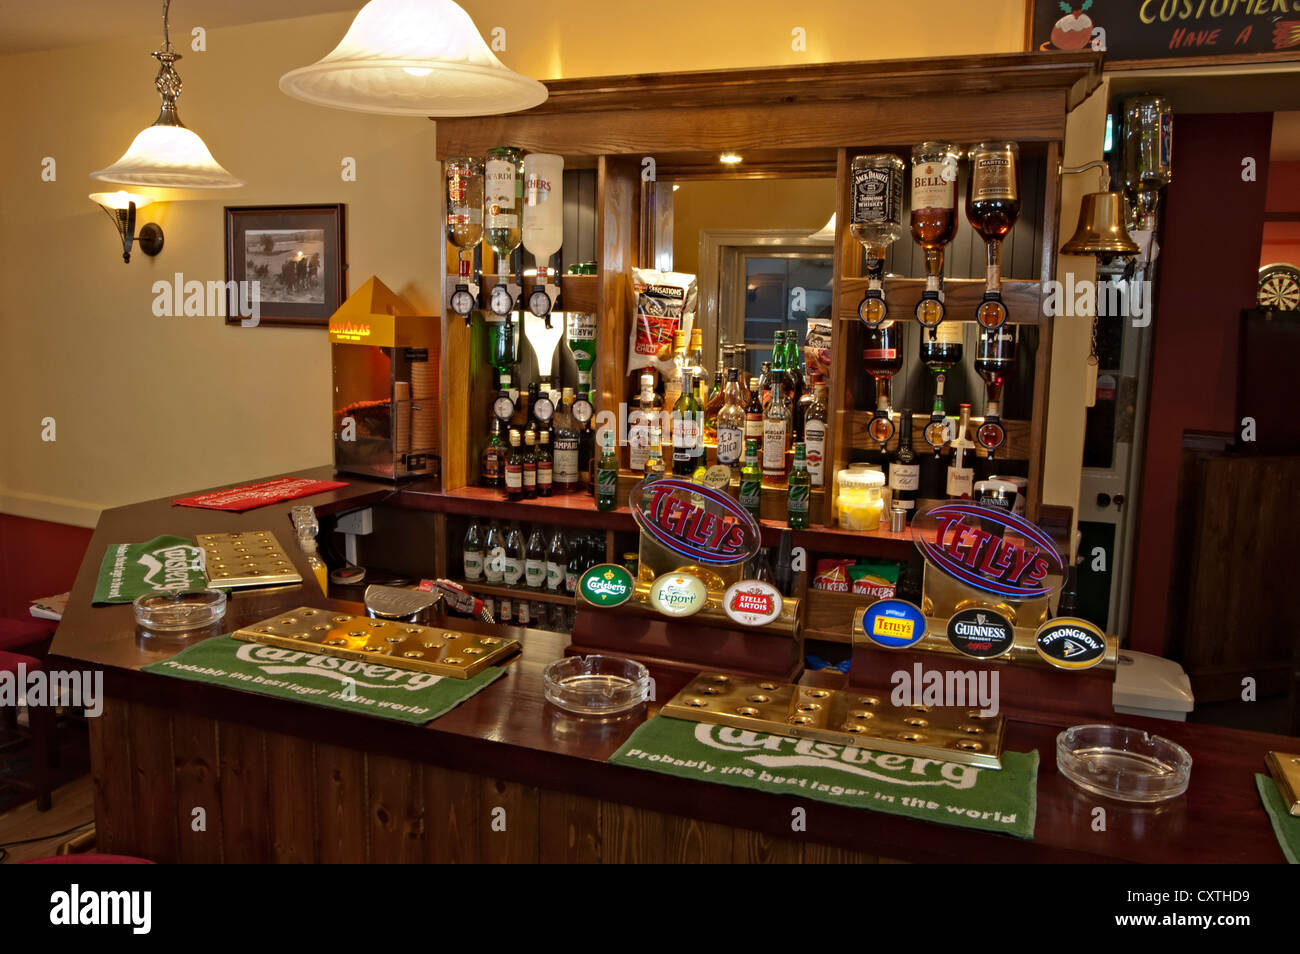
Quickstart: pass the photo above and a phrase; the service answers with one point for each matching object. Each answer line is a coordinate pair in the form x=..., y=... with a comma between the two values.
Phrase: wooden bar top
x=509, y=730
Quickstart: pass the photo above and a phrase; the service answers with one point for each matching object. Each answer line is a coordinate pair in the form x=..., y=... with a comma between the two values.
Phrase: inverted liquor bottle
x=875, y=220
x=1148, y=147
x=994, y=361
x=543, y=220
x=882, y=358
x=992, y=206
x=463, y=179
x=934, y=219
x=941, y=351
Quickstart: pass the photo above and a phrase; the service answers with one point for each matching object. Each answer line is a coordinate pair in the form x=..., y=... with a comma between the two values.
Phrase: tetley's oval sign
x=700, y=523
x=991, y=550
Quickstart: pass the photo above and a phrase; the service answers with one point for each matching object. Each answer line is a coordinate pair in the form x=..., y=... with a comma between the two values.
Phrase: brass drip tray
x=864, y=718
x=444, y=652
x=246, y=558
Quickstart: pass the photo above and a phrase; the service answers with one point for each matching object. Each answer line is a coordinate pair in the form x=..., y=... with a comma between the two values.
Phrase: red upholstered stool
x=18, y=633
x=91, y=859
x=40, y=720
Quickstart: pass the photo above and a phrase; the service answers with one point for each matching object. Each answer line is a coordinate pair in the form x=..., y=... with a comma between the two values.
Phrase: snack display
x=877, y=579
x=665, y=302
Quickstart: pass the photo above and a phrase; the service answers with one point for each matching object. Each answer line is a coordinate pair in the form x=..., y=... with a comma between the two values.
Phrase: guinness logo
x=981, y=633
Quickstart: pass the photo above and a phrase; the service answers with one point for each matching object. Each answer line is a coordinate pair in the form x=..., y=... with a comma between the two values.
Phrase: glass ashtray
x=1126, y=764
x=596, y=685
x=176, y=611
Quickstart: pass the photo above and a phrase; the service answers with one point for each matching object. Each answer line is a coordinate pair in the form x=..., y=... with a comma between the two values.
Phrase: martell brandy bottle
x=934, y=219
x=992, y=206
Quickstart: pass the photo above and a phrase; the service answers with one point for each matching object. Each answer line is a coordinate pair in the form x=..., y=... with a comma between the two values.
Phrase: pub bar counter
x=281, y=781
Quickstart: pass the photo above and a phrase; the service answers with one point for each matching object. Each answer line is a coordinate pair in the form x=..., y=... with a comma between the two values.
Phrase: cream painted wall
x=147, y=406
x=1071, y=336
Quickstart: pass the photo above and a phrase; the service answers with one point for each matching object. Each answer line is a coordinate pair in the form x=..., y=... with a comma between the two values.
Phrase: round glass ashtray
x=1126, y=764
x=176, y=611
x=596, y=685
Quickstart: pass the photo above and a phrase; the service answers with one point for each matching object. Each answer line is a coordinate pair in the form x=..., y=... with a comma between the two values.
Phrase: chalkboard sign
x=1169, y=29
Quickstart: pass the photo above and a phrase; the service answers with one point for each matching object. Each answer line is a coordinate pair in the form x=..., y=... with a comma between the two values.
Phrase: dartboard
x=1279, y=288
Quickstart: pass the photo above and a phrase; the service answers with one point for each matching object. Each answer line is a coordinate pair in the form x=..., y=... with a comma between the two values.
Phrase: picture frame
x=297, y=254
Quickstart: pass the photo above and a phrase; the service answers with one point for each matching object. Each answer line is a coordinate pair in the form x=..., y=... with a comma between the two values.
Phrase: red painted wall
x=36, y=559
x=1213, y=224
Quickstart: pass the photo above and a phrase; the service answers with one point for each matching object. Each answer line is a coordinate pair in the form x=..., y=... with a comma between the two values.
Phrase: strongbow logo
x=1069, y=643
x=779, y=751
x=606, y=585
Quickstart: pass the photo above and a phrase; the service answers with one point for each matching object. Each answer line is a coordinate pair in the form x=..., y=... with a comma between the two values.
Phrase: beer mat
x=129, y=570
x=252, y=496
x=944, y=792
x=1286, y=827
x=402, y=695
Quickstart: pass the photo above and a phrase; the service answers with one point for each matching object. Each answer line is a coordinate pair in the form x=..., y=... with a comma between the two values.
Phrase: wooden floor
x=73, y=806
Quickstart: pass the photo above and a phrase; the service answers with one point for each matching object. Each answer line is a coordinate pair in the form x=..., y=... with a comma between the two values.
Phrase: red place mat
x=252, y=496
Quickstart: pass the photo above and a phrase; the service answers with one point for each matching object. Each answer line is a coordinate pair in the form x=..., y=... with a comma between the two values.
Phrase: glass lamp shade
x=116, y=201
x=413, y=58
x=169, y=157
x=826, y=233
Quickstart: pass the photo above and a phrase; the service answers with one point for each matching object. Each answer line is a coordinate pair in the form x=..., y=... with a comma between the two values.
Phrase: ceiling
x=49, y=24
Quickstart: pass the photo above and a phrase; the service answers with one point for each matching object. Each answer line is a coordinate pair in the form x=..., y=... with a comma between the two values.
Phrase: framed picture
x=296, y=255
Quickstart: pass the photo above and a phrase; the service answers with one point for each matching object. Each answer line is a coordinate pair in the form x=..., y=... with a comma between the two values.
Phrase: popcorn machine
x=386, y=361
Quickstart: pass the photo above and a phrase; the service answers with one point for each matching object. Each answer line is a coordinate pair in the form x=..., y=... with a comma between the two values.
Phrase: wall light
x=121, y=208
x=729, y=158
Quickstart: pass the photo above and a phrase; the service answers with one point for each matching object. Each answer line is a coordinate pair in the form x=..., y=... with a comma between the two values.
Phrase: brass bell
x=1101, y=228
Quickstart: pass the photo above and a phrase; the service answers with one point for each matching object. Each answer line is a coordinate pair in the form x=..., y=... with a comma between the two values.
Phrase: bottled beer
x=515, y=469
x=712, y=407
x=795, y=387
x=492, y=462
x=751, y=480
x=494, y=554
x=515, y=556
x=776, y=432
x=798, y=491
x=557, y=557
x=814, y=431
x=688, y=446
x=765, y=382
x=535, y=560
x=607, y=473
x=530, y=465
x=472, y=552
x=905, y=468
x=574, y=568
x=545, y=470
x=754, y=411
x=729, y=425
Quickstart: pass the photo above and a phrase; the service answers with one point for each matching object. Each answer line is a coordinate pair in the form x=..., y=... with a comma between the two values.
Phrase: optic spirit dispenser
x=464, y=183
x=876, y=210
x=992, y=206
x=934, y=219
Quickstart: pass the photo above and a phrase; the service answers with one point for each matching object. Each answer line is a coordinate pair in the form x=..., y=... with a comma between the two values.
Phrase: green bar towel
x=1285, y=825
x=944, y=792
x=163, y=563
x=356, y=685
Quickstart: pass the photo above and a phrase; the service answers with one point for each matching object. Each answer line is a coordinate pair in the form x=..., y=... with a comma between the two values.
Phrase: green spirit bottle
x=751, y=481
x=688, y=430
x=607, y=473
x=799, y=490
